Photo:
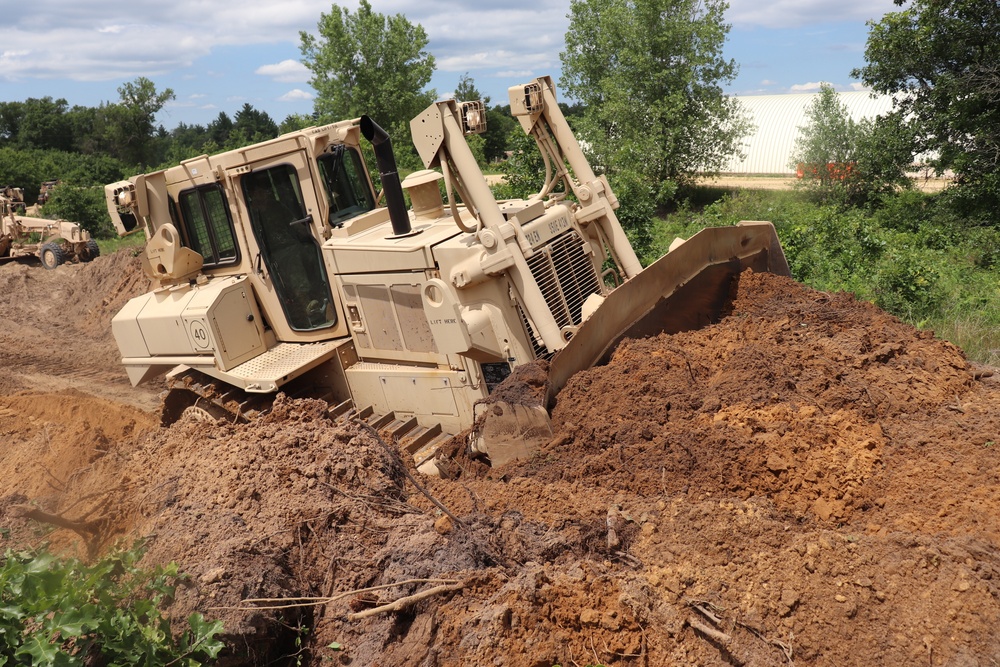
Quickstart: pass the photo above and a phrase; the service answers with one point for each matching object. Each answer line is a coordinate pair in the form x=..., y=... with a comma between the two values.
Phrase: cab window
x=207, y=226
x=347, y=191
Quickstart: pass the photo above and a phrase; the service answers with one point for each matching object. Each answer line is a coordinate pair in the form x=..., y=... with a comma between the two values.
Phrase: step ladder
x=420, y=442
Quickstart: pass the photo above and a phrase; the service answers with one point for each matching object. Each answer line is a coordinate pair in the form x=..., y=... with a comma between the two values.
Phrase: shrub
x=85, y=205
x=915, y=257
x=63, y=612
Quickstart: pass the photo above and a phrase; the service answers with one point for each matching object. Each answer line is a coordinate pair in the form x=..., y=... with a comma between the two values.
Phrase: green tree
x=84, y=121
x=26, y=169
x=364, y=62
x=648, y=73
x=44, y=123
x=491, y=145
x=76, y=169
x=219, y=129
x=826, y=147
x=522, y=170
x=884, y=157
x=84, y=205
x=61, y=612
x=10, y=121
x=846, y=161
x=129, y=125
x=295, y=122
x=940, y=57
x=254, y=124
x=466, y=91
x=499, y=125
x=189, y=136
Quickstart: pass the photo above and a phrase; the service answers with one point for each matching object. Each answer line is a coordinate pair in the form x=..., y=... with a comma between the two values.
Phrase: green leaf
x=204, y=633
x=39, y=650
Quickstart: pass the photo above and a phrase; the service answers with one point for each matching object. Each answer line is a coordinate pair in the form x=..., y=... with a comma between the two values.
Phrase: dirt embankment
x=807, y=482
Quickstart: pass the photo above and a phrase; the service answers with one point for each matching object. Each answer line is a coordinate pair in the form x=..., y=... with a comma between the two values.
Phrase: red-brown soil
x=807, y=482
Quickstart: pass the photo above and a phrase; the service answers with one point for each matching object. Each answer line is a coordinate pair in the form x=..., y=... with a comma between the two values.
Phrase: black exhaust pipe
x=391, y=186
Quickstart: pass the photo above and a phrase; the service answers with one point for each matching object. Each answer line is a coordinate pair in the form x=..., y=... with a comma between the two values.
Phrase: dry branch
x=709, y=631
x=288, y=603
x=403, y=603
x=85, y=529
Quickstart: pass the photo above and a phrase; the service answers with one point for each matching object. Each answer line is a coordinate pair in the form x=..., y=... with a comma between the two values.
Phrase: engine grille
x=566, y=276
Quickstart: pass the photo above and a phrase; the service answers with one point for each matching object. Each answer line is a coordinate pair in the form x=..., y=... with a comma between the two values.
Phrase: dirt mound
x=796, y=396
x=57, y=327
x=808, y=481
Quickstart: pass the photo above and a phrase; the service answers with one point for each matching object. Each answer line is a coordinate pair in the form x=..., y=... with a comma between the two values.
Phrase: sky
x=218, y=55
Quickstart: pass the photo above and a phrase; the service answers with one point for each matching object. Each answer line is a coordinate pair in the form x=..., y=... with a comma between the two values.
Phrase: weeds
x=63, y=612
x=913, y=257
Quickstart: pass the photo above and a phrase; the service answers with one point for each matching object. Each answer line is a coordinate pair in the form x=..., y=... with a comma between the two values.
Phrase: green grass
x=114, y=244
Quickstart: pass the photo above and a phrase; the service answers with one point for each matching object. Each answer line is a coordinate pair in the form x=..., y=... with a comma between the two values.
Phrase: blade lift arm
x=534, y=105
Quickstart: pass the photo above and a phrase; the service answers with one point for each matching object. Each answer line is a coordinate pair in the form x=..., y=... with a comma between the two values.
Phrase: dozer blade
x=685, y=289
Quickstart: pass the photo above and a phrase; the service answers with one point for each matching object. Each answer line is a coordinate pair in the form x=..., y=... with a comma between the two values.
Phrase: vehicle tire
x=51, y=255
x=90, y=252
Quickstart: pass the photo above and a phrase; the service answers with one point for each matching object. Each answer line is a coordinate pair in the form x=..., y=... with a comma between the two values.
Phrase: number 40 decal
x=199, y=335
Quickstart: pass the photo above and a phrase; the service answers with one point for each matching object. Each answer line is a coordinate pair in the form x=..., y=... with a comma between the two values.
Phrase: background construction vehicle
x=52, y=241
x=45, y=191
x=274, y=268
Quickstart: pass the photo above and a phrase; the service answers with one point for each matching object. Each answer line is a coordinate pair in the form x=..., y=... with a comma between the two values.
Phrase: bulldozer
x=279, y=267
x=54, y=242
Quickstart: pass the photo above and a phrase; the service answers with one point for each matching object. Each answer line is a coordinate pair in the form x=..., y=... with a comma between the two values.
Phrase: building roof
x=778, y=120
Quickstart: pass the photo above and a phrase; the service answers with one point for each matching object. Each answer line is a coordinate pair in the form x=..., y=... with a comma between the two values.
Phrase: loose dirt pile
x=807, y=482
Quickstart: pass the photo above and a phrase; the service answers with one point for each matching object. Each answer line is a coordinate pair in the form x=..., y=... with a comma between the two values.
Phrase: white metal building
x=778, y=119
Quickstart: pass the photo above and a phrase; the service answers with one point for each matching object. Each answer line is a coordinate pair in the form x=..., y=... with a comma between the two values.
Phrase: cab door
x=280, y=207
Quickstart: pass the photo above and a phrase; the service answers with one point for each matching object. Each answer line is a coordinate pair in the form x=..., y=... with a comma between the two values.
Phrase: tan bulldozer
x=54, y=242
x=278, y=268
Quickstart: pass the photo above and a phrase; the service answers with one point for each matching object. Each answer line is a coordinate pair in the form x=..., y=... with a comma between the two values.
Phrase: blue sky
x=217, y=56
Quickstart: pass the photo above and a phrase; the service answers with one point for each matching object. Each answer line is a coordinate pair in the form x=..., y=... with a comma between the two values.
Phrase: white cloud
x=8, y=57
x=515, y=73
x=287, y=71
x=488, y=60
x=798, y=13
x=518, y=35
x=806, y=87
x=208, y=48
x=296, y=95
x=85, y=41
x=90, y=42
x=813, y=87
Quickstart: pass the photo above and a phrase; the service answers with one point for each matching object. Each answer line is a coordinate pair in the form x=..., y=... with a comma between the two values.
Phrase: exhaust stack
x=391, y=187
